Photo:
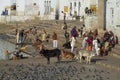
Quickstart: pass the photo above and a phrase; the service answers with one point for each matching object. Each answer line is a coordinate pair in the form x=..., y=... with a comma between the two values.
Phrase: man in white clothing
x=95, y=46
x=73, y=41
x=84, y=42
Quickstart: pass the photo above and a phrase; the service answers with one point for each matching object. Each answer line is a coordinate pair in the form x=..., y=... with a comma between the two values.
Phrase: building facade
x=113, y=15
x=48, y=9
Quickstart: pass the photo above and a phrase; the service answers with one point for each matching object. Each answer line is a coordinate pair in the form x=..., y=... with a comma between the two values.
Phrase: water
x=5, y=45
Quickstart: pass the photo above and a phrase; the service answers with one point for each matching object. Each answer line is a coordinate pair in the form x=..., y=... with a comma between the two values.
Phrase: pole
x=57, y=10
x=105, y=14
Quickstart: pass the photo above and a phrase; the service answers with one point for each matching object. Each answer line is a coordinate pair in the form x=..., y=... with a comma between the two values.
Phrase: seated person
x=17, y=54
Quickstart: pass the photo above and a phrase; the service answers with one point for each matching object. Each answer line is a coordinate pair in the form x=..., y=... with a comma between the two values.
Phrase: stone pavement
x=112, y=60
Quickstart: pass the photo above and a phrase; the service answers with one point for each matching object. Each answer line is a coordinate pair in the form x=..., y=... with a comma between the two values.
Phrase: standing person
x=95, y=33
x=40, y=45
x=26, y=33
x=54, y=37
x=84, y=43
x=64, y=17
x=116, y=39
x=66, y=36
x=89, y=43
x=95, y=46
x=17, y=36
x=80, y=31
x=44, y=35
x=73, y=41
x=74, y=32
x=65, y=26
x=21, y=36
x=34, y=31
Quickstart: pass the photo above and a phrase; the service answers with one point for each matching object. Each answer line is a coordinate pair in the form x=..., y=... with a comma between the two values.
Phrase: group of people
x=23, y=34
x=70, y=38
x=90, y=39
x=90, y=11
x=32, y=35
x=100, y=44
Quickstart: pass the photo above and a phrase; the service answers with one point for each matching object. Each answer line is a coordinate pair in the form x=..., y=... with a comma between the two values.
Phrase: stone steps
x=50, y=27
x=109, y=62
x=115, y=51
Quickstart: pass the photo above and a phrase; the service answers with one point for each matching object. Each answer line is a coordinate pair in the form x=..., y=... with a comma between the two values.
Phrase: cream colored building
x=47, y=9
x=113, y=16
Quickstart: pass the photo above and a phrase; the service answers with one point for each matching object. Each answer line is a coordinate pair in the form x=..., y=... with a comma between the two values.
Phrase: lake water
x=5, y=45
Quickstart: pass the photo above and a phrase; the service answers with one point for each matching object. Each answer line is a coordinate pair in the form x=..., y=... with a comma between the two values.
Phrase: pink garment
x=89, y=41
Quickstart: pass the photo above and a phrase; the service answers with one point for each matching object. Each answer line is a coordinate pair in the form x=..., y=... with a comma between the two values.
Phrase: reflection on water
x=5, y=45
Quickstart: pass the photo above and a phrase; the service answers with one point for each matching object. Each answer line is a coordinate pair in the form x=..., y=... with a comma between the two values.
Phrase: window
x=47, y=6
x=79, y=4
x=74, y=4
x=13, y=4
x=71, y=9
x=75, y=12
x=70, y=6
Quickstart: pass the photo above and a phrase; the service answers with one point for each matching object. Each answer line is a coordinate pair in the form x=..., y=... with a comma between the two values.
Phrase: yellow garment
x=43, y=37
x=106, y=44
x=24, y=48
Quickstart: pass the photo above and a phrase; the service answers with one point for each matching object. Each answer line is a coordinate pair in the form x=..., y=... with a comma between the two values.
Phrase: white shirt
x=95, y=43
x=73, y=40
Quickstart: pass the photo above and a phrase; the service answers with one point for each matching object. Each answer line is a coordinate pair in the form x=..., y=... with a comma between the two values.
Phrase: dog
x=67, y=54
x=51, y=53
x=87, y=54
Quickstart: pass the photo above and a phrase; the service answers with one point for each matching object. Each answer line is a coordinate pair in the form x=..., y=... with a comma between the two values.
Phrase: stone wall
x=91, y=21
x=7, y=19
x=100, y=13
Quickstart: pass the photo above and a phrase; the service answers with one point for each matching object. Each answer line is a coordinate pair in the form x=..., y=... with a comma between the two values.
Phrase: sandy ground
x=35, y=68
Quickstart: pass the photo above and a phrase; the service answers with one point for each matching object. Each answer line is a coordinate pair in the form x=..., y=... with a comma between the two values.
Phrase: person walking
x=55, y=42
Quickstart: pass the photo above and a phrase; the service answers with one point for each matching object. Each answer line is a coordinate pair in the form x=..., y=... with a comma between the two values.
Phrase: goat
x=87, y=54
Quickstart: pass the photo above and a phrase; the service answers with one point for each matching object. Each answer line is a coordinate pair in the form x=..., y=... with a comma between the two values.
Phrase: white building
x=3, y=5
x=113, y=15
x=47, y=9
